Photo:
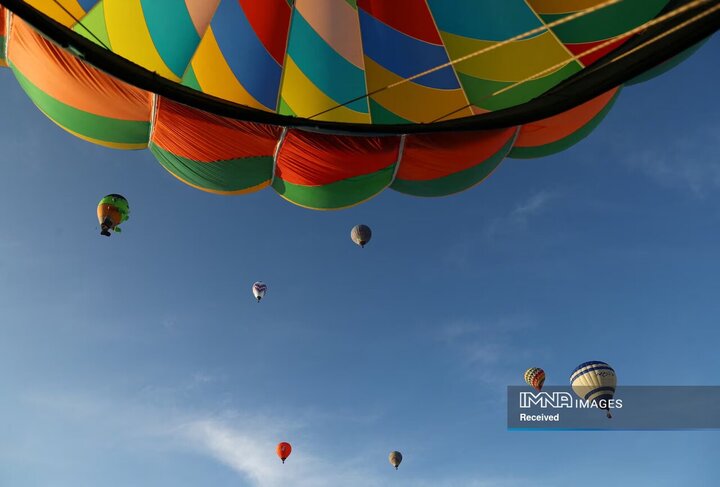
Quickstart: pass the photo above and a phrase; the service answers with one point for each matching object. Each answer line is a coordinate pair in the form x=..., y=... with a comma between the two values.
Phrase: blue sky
x=143, y=359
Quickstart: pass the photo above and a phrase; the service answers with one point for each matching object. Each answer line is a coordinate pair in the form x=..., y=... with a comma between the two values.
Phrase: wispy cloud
x=517, y=219
x=486, y=348
x=533, y=205
x=246, y=451
x=246, y=447
x=459, y=254
x=687, y=163
x=247, y=454
x=243, y=442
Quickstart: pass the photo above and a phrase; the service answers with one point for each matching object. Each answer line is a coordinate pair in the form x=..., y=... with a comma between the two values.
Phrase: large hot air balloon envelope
x=594, y=381
x=330, y=101
x=395, y=458
x=535, y=378
x=283, y=450
x=112, y=210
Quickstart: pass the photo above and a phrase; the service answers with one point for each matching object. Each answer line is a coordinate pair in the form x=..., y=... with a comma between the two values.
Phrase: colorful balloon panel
x=79, y=98
x=318, y=77
x=66, y=12
x=555, y=134
x=305, y=57
x=447, y=163
x=3, y=35
x=213, y=153
x=333, y=171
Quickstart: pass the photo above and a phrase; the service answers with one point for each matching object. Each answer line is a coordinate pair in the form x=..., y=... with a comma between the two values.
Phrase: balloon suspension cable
x=77, y=21
x=539, y=30
x=603, y=45
x=670, y=31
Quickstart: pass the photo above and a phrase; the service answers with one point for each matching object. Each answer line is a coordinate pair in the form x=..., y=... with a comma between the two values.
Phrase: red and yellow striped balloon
x=535, y=377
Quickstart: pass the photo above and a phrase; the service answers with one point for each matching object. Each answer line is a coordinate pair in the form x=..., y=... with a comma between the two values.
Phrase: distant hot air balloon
x=283, y=450
x=259, y=290
x=112, y=210
x=395, y=459
x=361, y=235
x=594, y=381
x=535, y=377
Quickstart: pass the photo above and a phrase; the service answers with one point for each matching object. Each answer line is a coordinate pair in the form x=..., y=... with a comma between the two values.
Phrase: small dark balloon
x=395, y=459
x=361, y=235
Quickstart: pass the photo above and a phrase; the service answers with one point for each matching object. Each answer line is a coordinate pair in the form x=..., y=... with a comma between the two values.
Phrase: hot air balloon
x=259, y=289
x=331, y=102
x=535, y=377
x=283, y=450
x=112, y=210
x=395, y=459
x=594, y=381
x=361, y=235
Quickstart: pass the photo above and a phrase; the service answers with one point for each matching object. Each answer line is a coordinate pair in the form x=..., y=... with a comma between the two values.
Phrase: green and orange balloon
x=112, y=210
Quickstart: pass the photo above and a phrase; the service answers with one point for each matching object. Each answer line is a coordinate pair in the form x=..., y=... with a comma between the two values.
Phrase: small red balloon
x=283, y=450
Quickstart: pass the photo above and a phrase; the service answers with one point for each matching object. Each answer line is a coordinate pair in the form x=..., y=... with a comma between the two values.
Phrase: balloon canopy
x=283, y=450
x=259, y=289
x=329, y=101
x=361, y=235
x=594, y=381
x=112, y=210
x=395, y=459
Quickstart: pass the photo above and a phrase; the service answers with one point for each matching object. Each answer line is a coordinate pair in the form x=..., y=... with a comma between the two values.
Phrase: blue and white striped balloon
x=594, y=381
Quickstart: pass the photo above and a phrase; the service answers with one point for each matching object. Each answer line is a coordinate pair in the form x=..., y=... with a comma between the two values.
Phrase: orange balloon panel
x=109, y=211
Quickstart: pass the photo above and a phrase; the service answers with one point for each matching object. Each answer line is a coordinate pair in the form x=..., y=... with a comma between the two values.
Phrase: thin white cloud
x=245, y=453
x=460, y=254
x=687, y=163
x=533, y=205
x=486, y=348
x=244, y=443
x=248, y=449
x=518, y=218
